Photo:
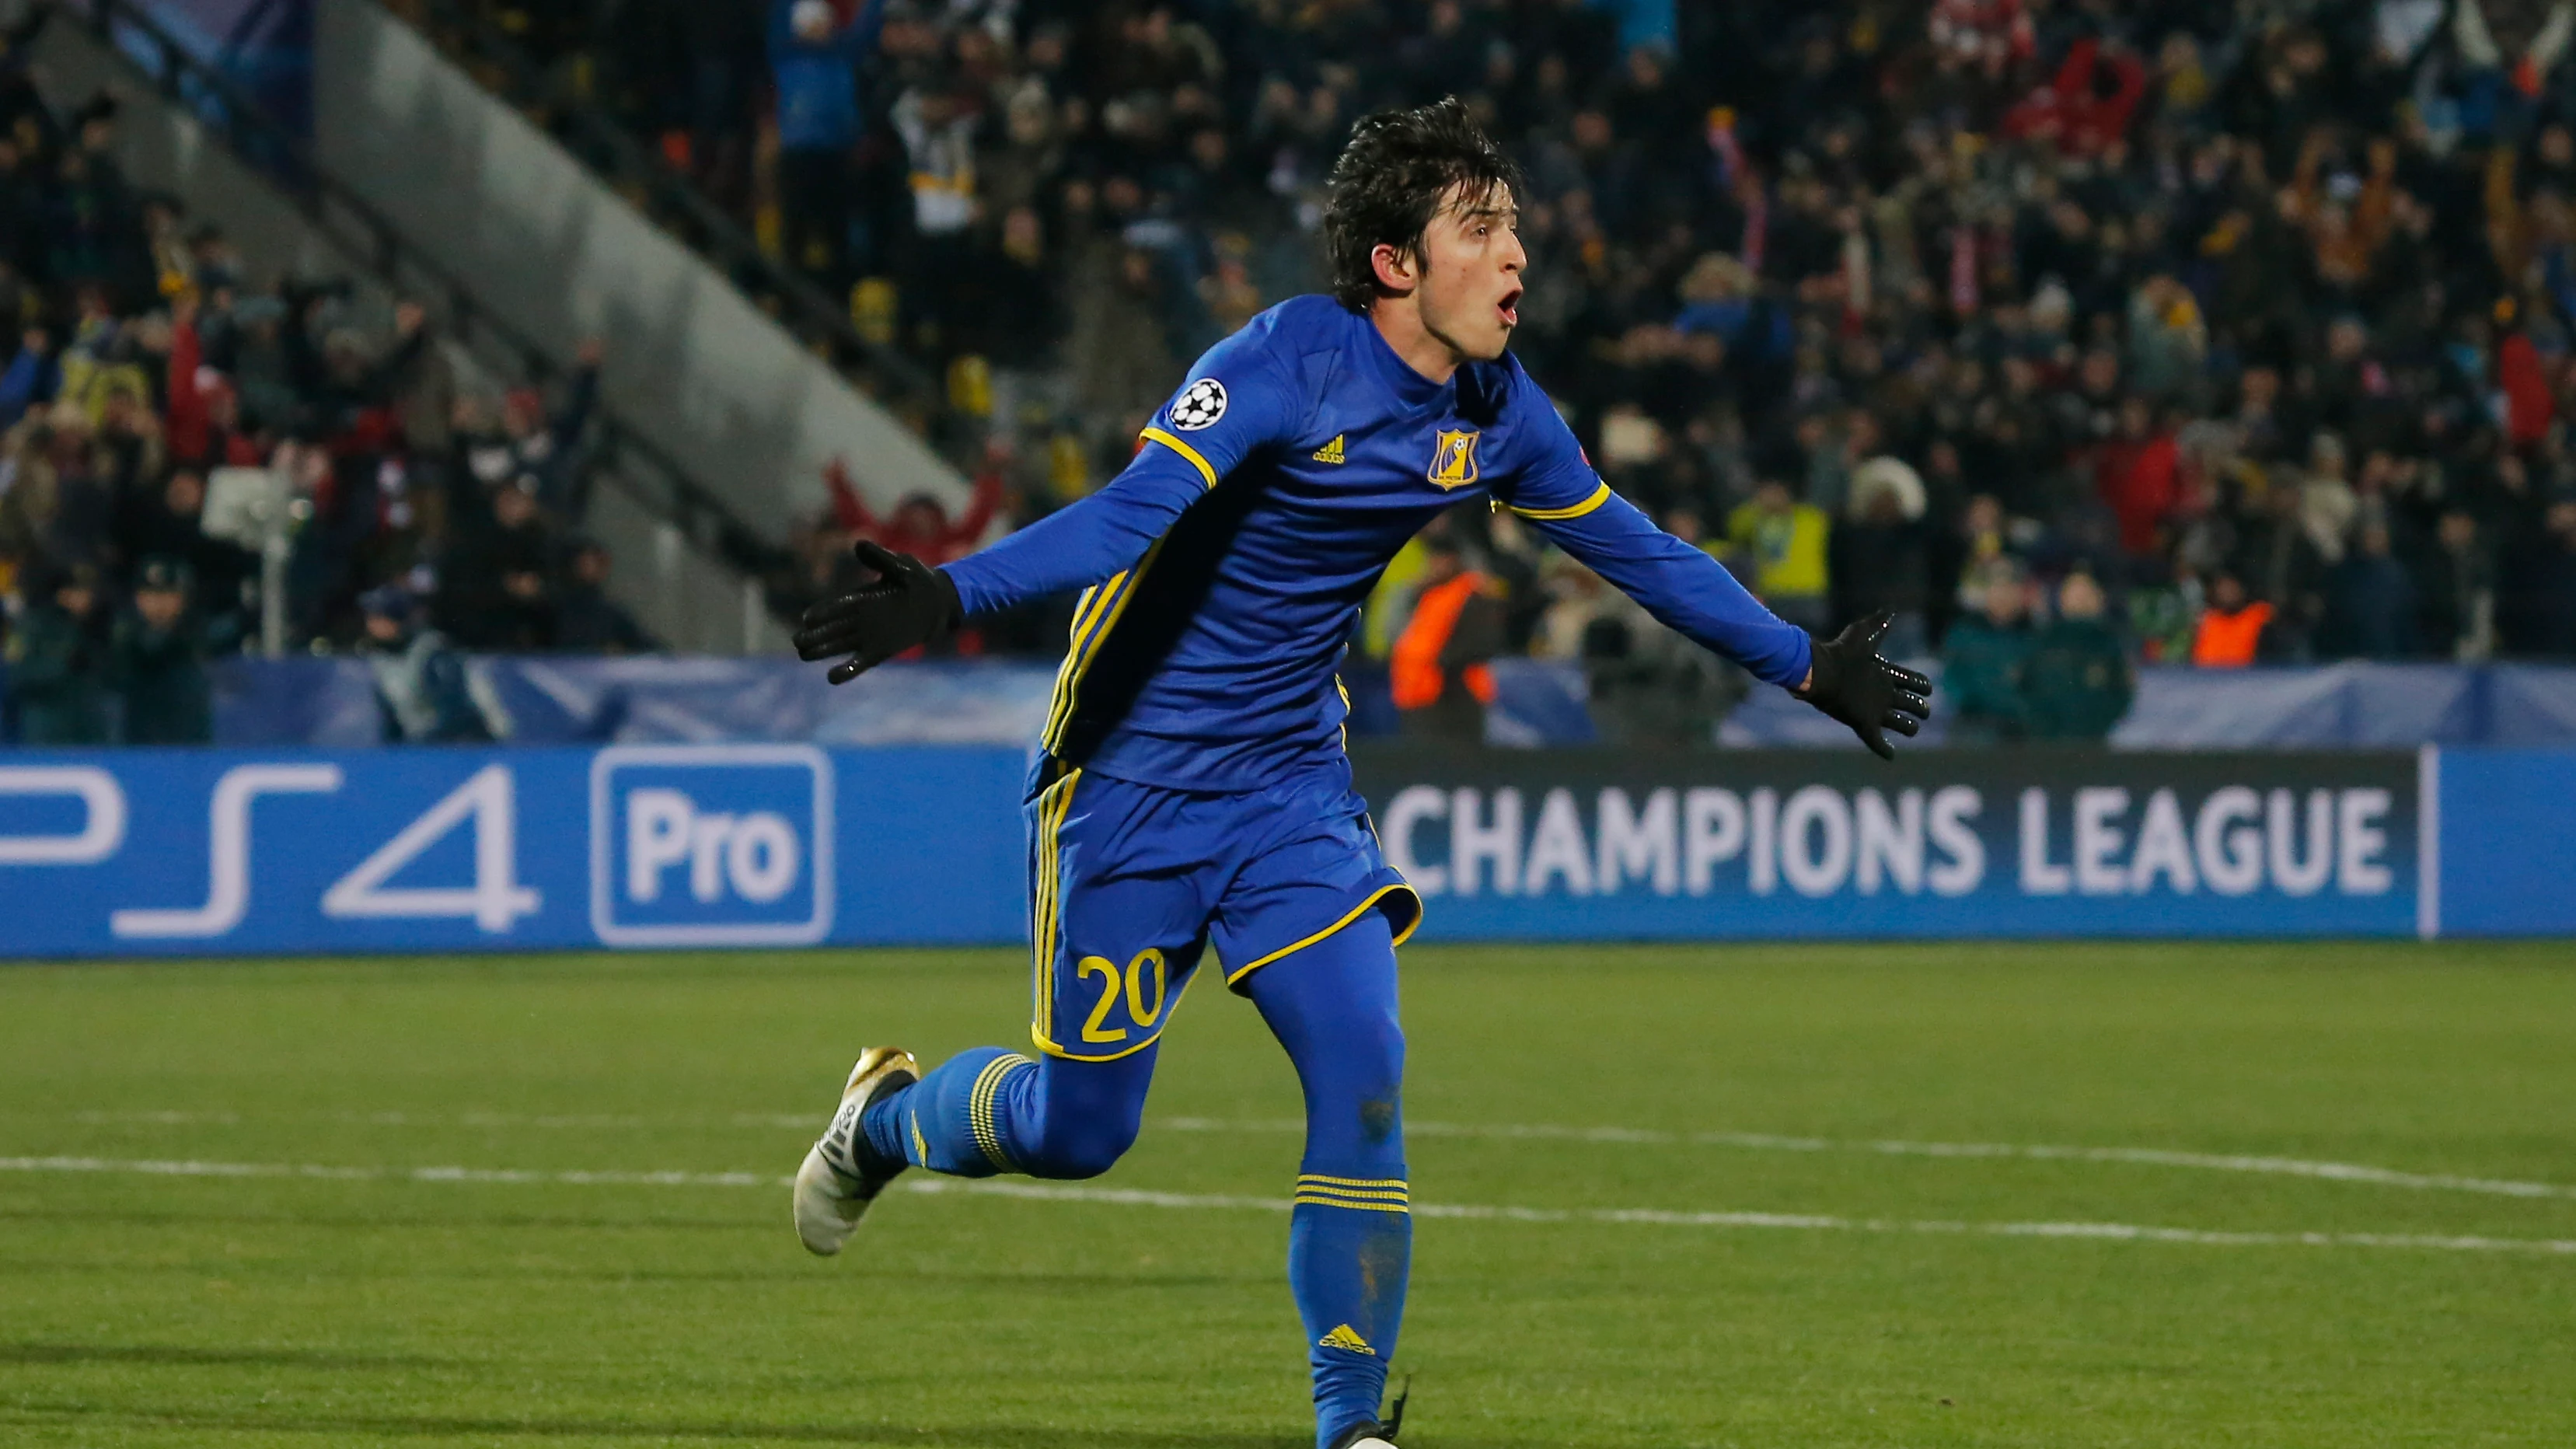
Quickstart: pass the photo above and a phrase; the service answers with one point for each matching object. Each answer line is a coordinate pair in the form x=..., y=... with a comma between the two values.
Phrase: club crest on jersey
x=1199, y=405
x=1453, y=459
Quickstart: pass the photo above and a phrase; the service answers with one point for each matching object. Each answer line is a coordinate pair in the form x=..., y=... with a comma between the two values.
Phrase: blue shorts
x=1130, y=884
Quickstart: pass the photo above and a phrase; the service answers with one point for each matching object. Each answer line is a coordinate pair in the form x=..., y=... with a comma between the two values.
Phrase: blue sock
x=1347, y=1267
x=989, y=1111
x=950, y=1121
x=1350, y=1233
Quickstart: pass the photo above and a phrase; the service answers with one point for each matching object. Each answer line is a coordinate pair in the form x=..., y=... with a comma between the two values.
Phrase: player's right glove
x=1849, y=680
x=910, y=604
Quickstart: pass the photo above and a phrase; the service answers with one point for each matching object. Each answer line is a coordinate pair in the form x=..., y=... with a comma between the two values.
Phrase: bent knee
x=1359, y=1108
x=1372, y=1065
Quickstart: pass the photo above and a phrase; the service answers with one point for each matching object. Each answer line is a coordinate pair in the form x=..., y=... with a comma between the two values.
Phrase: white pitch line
x=2106, y=1232
x=1135, y=1197
x=1750, y=1141
x=2041, y=1152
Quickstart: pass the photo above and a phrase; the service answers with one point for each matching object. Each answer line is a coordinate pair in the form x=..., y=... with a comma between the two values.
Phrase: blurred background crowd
x=2079, y=334
x=2222, y=333
x=166, y=396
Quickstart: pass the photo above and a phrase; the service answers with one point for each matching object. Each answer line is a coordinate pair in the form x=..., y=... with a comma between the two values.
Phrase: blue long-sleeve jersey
x=1226, y=567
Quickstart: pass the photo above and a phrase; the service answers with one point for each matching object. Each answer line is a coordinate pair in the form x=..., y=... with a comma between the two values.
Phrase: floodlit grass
x=1859, y=1118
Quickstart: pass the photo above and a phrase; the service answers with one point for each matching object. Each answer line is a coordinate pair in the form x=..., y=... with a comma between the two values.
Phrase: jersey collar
x=1411, y=388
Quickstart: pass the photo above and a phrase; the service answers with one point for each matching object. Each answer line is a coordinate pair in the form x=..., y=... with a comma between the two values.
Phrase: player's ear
x=1397, y=267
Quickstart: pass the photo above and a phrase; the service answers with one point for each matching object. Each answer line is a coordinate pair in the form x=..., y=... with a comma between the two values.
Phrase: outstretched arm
x=1695, y=596
x=911, y=603
x=1237, y=400
x=1086, y=541
x=1691, y=593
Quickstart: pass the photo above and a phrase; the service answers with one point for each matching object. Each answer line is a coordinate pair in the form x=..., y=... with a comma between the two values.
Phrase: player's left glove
x=1849, y=680
x=910, y=604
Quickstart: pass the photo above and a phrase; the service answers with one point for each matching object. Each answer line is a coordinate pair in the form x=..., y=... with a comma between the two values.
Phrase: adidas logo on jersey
x=1331, y=452
x=1347, y=1339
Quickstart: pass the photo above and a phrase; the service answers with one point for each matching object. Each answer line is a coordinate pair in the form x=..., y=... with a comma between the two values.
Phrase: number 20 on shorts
x=1130, y=983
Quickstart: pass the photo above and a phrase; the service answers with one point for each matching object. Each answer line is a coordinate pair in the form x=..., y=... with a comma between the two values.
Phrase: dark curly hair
x=1388, y=183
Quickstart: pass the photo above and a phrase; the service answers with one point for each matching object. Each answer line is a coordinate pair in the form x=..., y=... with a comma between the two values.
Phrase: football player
x=1192, y=791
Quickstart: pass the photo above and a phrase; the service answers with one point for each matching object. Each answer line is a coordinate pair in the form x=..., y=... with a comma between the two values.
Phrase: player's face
x=1471, y=278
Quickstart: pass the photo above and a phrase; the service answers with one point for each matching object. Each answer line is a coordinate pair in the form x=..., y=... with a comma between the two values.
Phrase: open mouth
x=1509, y=309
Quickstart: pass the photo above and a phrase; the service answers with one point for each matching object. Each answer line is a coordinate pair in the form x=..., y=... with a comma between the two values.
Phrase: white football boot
x=832, y=1191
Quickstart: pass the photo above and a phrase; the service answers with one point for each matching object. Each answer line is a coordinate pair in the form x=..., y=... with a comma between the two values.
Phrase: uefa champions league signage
x=226, y=852
x=1938, y=844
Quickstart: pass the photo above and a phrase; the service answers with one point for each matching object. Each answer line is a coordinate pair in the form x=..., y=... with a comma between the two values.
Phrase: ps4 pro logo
x=711, y=846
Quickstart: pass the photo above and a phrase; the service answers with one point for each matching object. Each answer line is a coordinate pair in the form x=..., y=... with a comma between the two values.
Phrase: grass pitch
x=1802, y=1197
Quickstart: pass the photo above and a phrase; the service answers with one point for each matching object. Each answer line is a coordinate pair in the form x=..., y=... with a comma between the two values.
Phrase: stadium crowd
x=158, y=380
x=2075, y=333
x=2254, y=319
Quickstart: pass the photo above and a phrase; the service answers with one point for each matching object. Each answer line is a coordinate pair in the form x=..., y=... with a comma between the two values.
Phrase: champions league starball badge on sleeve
x=1199, y=405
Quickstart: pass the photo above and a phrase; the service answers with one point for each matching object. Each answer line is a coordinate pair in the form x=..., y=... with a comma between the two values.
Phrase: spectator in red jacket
x=2073, y=110
x=920, y=527
x=2529, y=406
x=2134, y=471
x=205, y=413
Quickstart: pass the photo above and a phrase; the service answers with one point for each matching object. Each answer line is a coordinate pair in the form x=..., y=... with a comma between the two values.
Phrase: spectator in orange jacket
x=1441, y=669
x=2232, y=627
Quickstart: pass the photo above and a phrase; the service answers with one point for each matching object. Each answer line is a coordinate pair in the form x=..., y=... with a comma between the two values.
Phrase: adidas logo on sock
x=1347, y=1339
x=1331, y=452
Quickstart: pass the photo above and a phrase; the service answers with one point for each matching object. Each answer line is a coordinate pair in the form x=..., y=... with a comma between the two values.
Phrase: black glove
x=1849, y=681
x=910, y=604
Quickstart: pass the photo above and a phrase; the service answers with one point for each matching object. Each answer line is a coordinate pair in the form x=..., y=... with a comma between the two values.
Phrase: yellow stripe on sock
x=1353, y=1194
x=1353, y=1205
x=979, y=1106
x=1355, y=1191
